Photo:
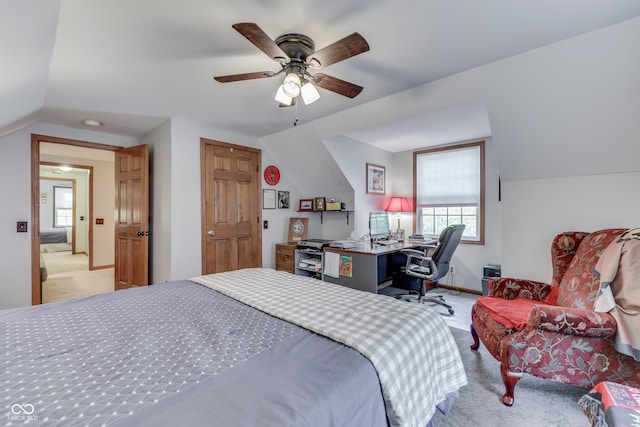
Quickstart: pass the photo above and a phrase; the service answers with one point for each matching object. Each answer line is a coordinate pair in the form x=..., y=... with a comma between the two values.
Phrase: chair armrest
x=509, y=288
x=572, y=321
x=419, y=270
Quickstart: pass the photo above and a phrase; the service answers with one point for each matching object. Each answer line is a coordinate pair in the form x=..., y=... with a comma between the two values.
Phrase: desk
x=371, y=265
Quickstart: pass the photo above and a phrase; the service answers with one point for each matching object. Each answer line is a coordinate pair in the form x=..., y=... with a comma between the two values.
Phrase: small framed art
x=306, y=205
x=268, y=199
x=283, y=200
x=320, y=204
x=375, y=179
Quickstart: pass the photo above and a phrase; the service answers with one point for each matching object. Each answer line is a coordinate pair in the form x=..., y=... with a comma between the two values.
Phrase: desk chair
x=424, y=266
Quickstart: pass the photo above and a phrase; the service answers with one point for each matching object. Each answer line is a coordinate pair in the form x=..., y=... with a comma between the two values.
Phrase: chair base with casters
x=423, y=273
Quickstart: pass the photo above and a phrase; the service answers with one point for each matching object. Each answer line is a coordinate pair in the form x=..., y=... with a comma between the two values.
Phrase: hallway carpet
x=69, y=277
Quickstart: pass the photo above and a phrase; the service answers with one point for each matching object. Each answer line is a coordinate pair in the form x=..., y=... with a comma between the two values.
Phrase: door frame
x=36, y=285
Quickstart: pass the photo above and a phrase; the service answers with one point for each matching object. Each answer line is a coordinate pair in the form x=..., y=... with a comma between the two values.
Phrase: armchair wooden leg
x=476, y=340
x=510, y=379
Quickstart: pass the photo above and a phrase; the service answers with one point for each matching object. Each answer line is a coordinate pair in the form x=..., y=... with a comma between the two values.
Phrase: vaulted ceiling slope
x=133, y=64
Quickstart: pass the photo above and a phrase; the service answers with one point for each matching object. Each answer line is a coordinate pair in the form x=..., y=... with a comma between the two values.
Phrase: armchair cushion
x=512, y=314
x=581, y=282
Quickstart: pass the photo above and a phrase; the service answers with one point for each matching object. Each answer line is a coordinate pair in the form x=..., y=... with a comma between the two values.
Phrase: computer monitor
x=378, y=225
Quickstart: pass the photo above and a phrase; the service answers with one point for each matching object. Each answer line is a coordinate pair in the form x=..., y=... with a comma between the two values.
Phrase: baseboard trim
x=457, y=288
x=103, y=267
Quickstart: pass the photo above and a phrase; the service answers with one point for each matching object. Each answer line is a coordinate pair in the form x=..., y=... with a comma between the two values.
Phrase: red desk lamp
x=399, y=205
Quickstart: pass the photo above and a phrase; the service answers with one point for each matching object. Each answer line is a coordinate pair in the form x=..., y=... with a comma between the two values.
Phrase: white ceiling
x=134, y=64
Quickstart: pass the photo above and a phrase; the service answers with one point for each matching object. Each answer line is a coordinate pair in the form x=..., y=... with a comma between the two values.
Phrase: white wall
x=352, y=157
x=15, y=251
x=534, y=211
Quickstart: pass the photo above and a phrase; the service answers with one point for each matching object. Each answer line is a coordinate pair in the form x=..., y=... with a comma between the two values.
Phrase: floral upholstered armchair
x=551, y=331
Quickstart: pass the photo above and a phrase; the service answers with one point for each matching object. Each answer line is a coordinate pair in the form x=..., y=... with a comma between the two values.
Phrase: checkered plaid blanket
x=410, y=345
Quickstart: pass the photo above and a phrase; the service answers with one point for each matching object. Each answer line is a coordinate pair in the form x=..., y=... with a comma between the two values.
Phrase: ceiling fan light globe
x=282, y=97
x=291, y=85
x=309, y=93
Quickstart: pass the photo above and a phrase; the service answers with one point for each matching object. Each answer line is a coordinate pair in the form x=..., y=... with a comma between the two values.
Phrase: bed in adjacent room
x=248, y=347
x=55, y=239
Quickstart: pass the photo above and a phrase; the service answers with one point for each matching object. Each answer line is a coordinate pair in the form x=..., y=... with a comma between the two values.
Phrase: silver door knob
x=211, y=233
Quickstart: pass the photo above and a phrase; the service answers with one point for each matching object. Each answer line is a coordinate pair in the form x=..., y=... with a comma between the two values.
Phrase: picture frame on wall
x=305, y=205
x=376, y=179
x=268, y=199
x=283, y=200
x=320, y=204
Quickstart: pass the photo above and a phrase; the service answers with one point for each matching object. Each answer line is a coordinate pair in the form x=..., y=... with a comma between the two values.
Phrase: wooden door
x=132, y=217
x=231, y=207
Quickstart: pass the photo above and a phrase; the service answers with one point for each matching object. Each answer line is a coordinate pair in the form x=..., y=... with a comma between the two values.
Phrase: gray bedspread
x=177, y=354
x=53, y=235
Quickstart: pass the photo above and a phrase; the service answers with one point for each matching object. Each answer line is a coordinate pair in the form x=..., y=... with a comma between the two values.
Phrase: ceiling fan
x=296, y=55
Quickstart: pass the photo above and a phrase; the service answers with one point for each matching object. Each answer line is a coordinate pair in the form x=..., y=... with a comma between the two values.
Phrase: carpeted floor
x=538, y=402
x=68, y=276
x=460, y=301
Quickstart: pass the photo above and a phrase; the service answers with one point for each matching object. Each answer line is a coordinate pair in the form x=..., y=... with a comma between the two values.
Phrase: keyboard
x=387, y=242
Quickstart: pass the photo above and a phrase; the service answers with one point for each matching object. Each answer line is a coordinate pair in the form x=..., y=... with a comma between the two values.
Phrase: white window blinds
x=448, y=178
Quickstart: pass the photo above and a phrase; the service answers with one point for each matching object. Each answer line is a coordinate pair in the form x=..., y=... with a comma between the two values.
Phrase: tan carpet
x=54, y=247
x=69, y=277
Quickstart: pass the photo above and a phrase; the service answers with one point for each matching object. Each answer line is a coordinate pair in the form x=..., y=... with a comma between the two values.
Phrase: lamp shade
x=309, y=92
x=291, y=85
x=282, y=97
x=399, y=204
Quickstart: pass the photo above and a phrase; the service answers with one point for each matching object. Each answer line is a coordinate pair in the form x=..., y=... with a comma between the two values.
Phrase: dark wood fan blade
x=336, y=85
x=344, y=48
x=245, y=76
x=261, y=40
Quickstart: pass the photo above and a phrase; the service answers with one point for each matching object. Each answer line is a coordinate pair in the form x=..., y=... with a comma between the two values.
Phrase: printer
x=313, y=244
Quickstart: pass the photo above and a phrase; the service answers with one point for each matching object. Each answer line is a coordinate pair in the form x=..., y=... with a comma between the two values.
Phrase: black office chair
x=432, y=267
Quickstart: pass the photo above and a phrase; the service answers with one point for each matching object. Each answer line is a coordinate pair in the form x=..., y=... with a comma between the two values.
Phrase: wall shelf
x=346, y=212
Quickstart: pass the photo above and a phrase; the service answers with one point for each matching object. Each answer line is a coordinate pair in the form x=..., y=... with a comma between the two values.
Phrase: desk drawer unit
x=285, y=257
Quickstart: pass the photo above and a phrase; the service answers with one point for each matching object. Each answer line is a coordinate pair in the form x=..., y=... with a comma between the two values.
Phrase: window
x=63, y=206
x=64, y=217
x=449, y=189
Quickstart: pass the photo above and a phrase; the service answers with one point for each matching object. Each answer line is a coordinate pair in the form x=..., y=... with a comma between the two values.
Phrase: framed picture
x=283, y=200
x=320, y=204
x=306, y=205
x=298, y=229
x=268, y=199
x=375, y=179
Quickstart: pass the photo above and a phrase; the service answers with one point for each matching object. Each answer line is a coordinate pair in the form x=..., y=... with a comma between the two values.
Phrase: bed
x=55, y=239
x=242, y=348
x=53, y=235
